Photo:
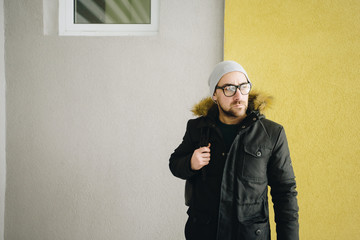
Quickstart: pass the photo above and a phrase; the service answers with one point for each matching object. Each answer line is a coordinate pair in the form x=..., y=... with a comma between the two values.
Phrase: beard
x=234, y=112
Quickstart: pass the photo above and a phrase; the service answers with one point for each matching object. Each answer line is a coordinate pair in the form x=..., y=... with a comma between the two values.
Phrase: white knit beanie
x=220, y=70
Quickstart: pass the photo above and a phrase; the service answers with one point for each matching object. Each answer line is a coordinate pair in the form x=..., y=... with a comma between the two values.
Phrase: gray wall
x=2, y=122
x=91, y=122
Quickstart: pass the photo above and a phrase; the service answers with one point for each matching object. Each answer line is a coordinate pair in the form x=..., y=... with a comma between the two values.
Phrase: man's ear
x=214, y=97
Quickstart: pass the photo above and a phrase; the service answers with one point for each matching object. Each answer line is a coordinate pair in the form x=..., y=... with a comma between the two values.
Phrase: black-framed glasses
x=230, y=89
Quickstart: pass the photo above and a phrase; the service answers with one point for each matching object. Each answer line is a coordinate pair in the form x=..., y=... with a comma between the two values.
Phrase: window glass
x=112, y=11
x=108, y=17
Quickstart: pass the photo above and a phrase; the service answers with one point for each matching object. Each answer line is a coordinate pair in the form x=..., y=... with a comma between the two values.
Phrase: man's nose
x=238, y=95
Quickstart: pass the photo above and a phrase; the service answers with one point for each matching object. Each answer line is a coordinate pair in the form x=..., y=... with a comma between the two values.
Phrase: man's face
x=232, y=107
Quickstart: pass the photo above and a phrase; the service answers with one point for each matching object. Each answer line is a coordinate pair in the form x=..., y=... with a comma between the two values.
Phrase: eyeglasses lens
x=230, y=91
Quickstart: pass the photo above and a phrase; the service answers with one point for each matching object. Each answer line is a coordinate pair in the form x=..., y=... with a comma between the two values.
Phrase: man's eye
x=230, y=88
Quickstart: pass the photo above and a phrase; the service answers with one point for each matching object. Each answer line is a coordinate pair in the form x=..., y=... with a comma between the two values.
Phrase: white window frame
x=68, y=28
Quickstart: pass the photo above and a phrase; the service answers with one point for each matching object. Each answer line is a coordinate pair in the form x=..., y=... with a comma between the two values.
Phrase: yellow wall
x=307, y=55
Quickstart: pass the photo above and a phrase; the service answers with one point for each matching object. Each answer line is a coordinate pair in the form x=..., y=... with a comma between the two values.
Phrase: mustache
x=239, y=102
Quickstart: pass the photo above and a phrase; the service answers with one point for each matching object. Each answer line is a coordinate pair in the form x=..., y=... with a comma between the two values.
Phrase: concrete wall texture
x=2, y=121
x=92, y=121
x=306, y=54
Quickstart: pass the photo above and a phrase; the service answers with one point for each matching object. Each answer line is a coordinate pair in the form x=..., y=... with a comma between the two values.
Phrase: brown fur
x=257, y=101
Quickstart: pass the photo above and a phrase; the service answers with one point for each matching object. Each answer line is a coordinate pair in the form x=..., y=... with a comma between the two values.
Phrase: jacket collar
x=258, y=102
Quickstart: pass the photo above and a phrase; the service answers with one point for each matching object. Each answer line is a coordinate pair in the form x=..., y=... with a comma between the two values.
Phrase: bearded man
x=229, y=156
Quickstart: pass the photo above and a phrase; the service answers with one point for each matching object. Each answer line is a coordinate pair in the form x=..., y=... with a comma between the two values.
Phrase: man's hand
x=200, y=158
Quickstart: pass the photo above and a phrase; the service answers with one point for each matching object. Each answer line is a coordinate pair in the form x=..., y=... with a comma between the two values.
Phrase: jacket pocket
x=253, y=222
x=255, y=231
x=254, y=165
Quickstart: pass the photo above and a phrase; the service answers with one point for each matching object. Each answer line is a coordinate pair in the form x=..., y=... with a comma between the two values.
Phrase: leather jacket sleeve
x=283, y=190
x=179, y=162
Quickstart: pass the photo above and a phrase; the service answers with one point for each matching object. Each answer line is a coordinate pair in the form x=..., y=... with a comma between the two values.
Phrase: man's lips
x=238, y=104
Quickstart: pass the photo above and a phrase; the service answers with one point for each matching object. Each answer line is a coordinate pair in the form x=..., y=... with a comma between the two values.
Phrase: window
x=108, y=17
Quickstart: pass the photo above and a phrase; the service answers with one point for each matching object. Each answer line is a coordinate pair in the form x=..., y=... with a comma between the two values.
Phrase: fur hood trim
x=257, y=102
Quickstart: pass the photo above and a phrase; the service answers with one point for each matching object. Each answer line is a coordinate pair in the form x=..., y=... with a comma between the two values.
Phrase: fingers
x=206, y=161
x=205, y=155
x=205, y=149
x=201, y=157
x=201, y=162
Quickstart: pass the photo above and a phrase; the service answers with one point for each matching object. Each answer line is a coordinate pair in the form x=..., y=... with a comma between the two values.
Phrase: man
x=229, y=156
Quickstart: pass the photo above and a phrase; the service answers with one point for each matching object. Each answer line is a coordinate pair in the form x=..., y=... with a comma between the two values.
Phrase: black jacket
x=233, y=188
